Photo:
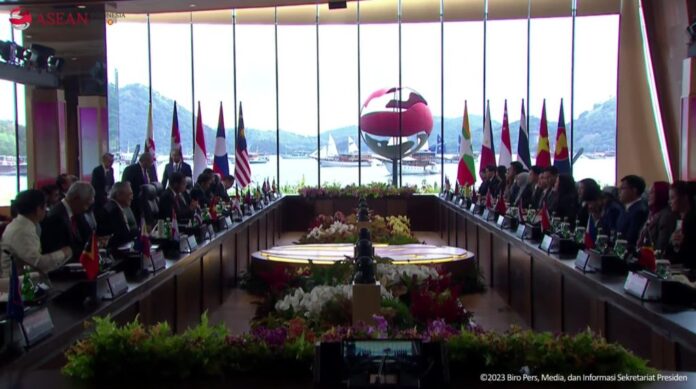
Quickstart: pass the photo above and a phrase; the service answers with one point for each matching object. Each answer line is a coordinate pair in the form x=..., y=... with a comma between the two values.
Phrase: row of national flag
x=242, y=169
x=466, y=175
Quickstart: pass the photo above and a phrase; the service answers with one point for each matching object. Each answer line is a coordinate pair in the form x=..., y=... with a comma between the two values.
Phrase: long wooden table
x=179, y=294
x=551, y=295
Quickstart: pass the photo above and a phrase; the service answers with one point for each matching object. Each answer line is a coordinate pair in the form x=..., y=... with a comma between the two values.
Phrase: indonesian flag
x=242, y=169
x=523, y=142
x=543, y=157
x=545, y=222
x=90, y=258
x=176, y=136
x=506, y=148
x=200, y=160
x=560, y=156
x=487, y=147
x=221, y=164
x=466, y=168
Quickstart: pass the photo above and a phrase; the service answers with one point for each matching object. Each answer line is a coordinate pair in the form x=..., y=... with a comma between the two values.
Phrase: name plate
x=486, y=214
x=546, y=243
x=117, y=285
x=36, y=326
x=155, y=261
x=582, y=261
x=226, y=222
x=501, y=221
x=521, y=232
x=636, y=285
x=211, y=232
x=472, y=208
x=187, y=244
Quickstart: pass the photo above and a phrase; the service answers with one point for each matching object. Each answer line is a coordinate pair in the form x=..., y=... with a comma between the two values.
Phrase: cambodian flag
x=221, y=164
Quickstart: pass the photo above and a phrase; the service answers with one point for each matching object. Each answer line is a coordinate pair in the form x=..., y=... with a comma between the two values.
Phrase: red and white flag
x=505, y=149
x=200, y=158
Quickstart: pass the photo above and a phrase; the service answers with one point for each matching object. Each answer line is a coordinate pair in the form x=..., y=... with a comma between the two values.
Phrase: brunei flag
x=543, y=157
x=523, y=142
x=221, y=164
x=560, y=156
x=466, y=168
x=487, y=146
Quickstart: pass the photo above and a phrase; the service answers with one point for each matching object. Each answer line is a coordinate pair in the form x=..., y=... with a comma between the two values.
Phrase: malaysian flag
x=242, y=170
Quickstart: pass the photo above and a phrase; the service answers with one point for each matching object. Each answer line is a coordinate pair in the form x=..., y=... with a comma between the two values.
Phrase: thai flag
x=220, y=162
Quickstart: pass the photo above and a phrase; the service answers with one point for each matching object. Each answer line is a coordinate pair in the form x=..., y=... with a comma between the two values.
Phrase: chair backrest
x=149, y=204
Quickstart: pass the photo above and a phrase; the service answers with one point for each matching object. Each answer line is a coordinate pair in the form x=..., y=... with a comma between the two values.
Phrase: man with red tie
x=173, y=200
x=139, y=174
x=65, y=224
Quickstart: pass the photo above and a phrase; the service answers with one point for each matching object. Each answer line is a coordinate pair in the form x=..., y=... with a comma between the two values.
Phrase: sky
x=506, y=67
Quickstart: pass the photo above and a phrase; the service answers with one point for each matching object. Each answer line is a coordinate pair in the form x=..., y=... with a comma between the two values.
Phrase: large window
x=303, y=73
x=12, y=130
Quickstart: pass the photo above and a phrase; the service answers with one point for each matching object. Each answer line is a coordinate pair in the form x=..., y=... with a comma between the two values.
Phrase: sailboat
x=422, y=162
x=330, y=157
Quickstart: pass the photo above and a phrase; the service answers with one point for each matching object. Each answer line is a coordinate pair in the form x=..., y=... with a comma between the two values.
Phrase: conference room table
x=552, y=295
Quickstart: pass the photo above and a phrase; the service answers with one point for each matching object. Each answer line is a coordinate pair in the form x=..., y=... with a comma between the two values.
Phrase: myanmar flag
x=543, y=158
x=466, y=168
x=560, y=156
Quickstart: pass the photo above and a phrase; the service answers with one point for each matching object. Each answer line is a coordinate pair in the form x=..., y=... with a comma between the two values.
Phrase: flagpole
x=149, y=60
x=234, y=70
x=572, y=86
x=193, y=94
x=277, y=99
x=529, y=32
x=359, y=103
x=316, y=19
x=442, y=90
x=398, y=12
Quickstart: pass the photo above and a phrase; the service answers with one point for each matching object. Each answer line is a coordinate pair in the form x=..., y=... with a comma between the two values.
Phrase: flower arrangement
x=373, y=190
x=136, y=353
x=310, y=304
x=343, y=229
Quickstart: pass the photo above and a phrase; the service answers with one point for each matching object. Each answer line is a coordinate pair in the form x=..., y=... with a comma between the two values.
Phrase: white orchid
x=310, y=303
x=390, y=274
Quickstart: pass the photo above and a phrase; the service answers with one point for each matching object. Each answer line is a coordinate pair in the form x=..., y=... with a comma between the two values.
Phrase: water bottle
x=168, y=229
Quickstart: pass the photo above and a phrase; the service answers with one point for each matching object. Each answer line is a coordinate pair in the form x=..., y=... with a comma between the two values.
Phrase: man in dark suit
x=65, y=224
x=200, y=191
x=138, y=174
x=176, y=165
x=173, y=200
x=116, y=217
x=102, y=180
x=491, y=182
x=513, y=191
x=630, y=222
x=534, y=183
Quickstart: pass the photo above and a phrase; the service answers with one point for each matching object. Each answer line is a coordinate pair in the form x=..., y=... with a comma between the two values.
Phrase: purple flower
x=273, y=337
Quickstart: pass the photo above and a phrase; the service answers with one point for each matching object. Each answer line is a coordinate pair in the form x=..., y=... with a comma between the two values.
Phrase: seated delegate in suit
x=587, y=189
x=491, y=182
x=65, y=224
x=611, y=210
x=21, y=241
x=549, y=197
x=533, y=181
x=172, y=199
x=682, y=246
x=138, y=174
x=200, y=190
x=103, y=179
x=52, y=195
x=63, y=182
x=511, y=188
x=632, y=220
x=565, y=205
x=217, y=188
x=177, y=165
x=661, y=220
x=116, y=217
x=524, y=193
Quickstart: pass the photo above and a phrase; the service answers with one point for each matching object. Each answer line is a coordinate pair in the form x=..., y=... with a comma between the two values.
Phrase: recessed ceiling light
x=81, y=6
x=192, y=5
x=27, y=36
x=74, y=58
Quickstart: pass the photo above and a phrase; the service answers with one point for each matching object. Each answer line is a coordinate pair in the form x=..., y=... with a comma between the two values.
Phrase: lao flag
x=200, y=159
x=220, y=162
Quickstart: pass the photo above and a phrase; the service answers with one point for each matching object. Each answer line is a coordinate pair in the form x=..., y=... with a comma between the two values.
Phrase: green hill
x=595, y=130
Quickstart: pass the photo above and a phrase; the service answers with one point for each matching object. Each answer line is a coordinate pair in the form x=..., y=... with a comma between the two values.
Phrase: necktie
x=176, y=167
x=73, y=225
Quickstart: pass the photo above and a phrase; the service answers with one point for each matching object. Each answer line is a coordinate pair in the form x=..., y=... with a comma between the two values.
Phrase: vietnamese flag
x=543, y=157
x=560, y=156
x=90, y=259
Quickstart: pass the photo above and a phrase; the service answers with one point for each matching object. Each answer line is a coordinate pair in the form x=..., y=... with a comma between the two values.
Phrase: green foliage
x=584, y=353
x=397, y=313
x=338, y=273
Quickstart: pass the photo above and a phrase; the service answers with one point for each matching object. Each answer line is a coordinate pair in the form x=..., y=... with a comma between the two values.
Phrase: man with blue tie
x=177, y=165
x=633, y=218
